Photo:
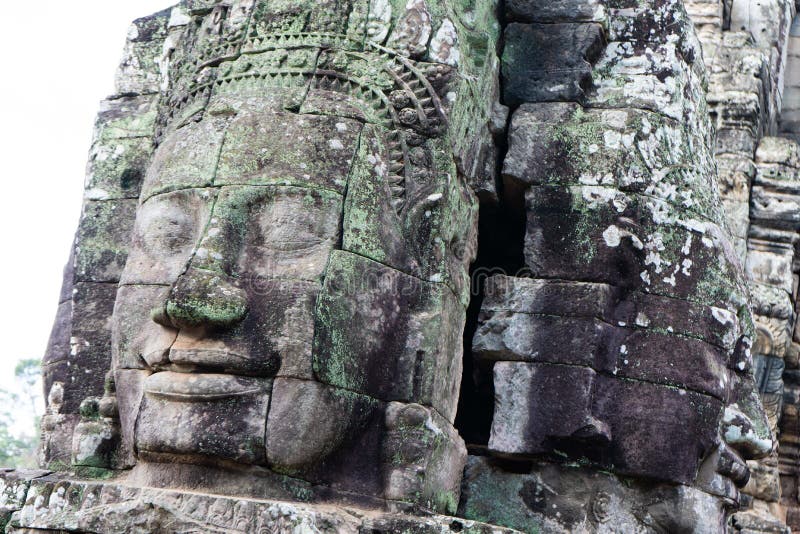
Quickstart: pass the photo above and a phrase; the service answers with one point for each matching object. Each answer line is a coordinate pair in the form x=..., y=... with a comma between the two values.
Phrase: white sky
x=59, y=61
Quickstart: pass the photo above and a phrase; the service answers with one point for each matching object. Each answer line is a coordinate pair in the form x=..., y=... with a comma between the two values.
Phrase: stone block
x=433, y=236
x=758, y=520
x=742, y=111
x=588, y=234
x=541, y=338
x=213, y=417
x=549, y=297
x=606, y=419
x=535, y=148
x=670, y=360
x=139, y=72
x=424, y=457
x=625, y=352
x=55, y=449
x=706, y=14
x=775, y=205
x=136, y=340
x=325, y=434
x=275, y=336
x=407, y=342
x=117, y=167
x=549, y=62
x=776, y=188
x=636, y=411
x=101, y=244
x=778, y=150
x=167, y=230
x=558, y=11
x=272, y=233
x=263, y=146
x=126, y=117
x=639, y=24
x=737, y=217
x=661, y=82
x=186, y=157
x=739, y=141
x=568, y=498
x=58, y=345
x=129, y=392
x=770, y=262
x=767, y=21
x=720, y=327
x=634, y=151
x=736, y=174
x=527, y=422
x=122, y=147
x=505, y=297
x=82, y=373
x=764, y=482
x=94, y=442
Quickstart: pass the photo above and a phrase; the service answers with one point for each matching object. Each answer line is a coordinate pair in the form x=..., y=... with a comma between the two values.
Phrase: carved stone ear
x=422, y=451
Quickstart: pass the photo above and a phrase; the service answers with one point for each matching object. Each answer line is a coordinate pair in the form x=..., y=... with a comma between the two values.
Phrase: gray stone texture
x=259, y=178
x=51, y=502
x=272, y=294
x=637, y=288
x=549, y=62
x=565, y=499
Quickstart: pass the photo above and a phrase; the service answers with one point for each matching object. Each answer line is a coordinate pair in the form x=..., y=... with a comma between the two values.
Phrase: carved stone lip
x=202, y=356
x=214, y=358
x=190, y=387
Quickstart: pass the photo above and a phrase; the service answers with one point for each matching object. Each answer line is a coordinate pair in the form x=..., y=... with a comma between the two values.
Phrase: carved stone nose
x=203, y=298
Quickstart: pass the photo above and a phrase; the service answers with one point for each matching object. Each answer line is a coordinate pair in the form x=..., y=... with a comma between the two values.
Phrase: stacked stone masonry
x=433, y=266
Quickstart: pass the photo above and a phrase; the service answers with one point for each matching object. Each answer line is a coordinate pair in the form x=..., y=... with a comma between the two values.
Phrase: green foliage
x=28, y=371
x=15, y=451
x=20, y=450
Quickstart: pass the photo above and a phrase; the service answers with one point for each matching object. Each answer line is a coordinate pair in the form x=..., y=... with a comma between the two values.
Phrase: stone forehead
x=240, y=143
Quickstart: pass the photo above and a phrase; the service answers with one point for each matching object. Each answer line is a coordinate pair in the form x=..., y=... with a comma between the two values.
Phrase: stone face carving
x=270, y=292
x=635, y=316
x=297, y=276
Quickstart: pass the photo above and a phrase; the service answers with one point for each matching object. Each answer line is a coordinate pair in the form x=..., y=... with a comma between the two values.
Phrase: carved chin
x=216, y=417
x=208, y=418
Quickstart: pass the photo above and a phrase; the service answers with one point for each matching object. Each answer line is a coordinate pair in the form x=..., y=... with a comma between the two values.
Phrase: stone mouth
x=215, y=359
x=191, y=387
